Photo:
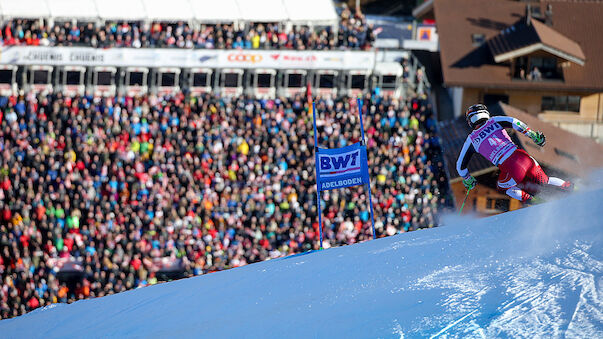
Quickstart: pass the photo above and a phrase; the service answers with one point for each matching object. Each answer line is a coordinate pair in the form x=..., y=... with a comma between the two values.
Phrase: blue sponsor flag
x=342, y=167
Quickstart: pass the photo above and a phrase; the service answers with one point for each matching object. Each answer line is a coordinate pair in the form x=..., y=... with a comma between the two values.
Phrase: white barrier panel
x=123, y=57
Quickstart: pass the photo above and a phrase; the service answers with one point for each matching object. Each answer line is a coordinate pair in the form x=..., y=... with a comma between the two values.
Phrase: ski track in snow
x=530, y=298
x=397, y=330
x=452, y=324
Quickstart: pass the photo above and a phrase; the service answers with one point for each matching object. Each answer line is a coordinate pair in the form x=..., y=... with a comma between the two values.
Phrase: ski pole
x=464, y=200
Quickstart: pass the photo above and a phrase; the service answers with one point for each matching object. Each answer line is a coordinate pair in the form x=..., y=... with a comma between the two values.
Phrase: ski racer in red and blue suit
x=518, y=170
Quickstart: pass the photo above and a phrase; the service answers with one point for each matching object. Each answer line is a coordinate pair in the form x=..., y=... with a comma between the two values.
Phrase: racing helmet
x=476, y=115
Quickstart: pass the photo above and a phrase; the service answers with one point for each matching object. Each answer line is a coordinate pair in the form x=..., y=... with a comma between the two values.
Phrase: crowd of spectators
x=353, y=33
x=117, y=189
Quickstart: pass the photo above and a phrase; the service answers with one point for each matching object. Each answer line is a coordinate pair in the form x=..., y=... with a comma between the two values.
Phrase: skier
x=517, y=168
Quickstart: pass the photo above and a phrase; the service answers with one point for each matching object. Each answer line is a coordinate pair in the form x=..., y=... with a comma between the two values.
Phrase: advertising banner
x=342, y=167
x=155, y=57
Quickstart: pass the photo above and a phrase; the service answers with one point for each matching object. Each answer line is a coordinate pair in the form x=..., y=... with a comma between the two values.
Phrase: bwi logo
x=483, y=133
x=333, y=165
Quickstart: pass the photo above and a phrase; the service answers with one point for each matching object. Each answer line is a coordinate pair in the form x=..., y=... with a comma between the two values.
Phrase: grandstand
x=278, y=50
x=88, y=71
x=143, y=142
x=266, y=24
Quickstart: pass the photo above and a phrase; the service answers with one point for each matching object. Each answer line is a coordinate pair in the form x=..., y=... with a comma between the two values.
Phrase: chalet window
x=545, y=68
x=537, y=68
x=6, y=76
x=536, y=13
x=568, y=103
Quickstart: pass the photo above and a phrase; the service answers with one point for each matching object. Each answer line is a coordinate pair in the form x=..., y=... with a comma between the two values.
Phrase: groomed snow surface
x=536, y=272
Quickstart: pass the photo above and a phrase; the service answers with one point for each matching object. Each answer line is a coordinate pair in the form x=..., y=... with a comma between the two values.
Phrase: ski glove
x=469, y=183
x=538, y=137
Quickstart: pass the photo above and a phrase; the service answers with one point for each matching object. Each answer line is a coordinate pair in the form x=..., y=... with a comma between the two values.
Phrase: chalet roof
x=526, y=37
x=468, y=63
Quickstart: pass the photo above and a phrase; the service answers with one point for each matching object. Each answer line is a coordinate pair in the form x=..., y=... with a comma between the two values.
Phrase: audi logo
x=245, y=57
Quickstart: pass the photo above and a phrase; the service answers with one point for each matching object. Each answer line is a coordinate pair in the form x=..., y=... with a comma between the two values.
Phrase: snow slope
x=536, y=272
